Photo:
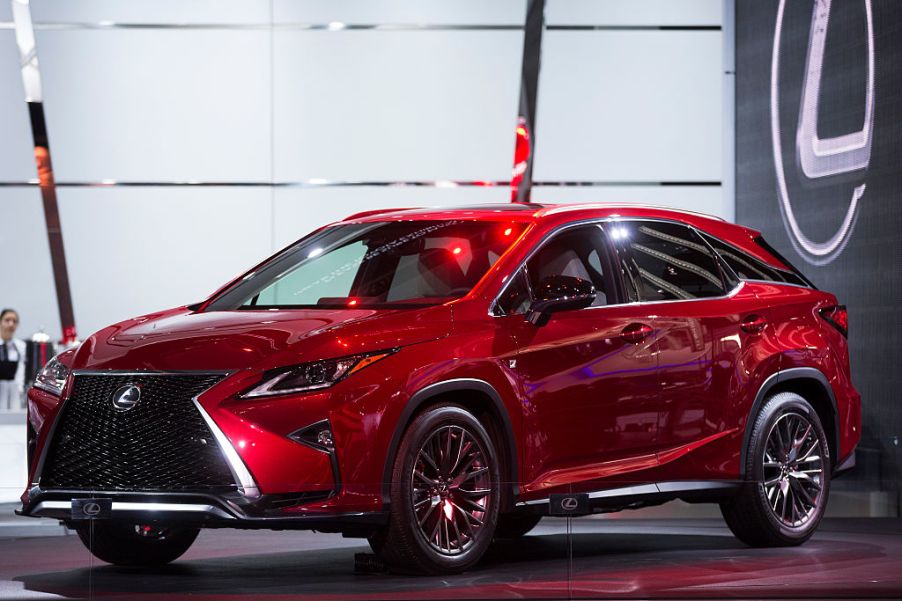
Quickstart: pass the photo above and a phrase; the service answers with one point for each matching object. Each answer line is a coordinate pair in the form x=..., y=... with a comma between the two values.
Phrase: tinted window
x=672, y=261
x=515, y=298
x=378, y=265
x=577, y=252
x=748, y=267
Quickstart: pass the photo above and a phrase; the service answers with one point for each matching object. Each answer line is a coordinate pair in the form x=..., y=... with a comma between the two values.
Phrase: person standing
x=12, y=362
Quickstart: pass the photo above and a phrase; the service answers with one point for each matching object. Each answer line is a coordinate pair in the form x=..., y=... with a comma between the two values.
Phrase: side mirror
x=559, y=293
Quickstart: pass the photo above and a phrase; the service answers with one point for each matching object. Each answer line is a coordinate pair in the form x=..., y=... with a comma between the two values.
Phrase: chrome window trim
x=773, y=283
x=602, y=221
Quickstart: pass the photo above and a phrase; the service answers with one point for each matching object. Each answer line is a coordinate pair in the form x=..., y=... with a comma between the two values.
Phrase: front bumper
x=209, y=510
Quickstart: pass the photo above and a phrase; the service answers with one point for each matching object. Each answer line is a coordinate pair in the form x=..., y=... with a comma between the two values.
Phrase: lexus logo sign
x=830, y=163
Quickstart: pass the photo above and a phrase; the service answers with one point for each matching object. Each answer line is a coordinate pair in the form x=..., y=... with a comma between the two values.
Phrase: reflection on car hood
x=181, y=340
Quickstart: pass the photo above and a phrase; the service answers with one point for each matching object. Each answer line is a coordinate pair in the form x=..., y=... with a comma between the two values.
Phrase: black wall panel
x=819, y=172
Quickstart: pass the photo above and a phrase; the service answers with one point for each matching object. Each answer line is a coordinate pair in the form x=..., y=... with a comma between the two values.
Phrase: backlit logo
x=816, y=157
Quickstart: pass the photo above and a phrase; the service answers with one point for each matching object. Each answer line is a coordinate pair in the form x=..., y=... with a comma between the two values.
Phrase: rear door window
x=671, y=261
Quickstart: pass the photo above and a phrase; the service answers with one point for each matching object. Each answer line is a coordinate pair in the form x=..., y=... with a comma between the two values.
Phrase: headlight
x=314, y=375
x=52, y=377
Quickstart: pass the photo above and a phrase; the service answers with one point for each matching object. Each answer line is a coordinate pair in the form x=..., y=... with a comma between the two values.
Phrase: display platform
x=602, y=558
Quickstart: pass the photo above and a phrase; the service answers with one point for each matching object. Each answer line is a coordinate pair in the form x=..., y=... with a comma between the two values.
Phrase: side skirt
x=643, y=495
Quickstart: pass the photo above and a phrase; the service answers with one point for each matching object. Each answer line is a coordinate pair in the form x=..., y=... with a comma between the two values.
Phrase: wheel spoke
x=801, y=440
x=460, y=452
x=426, y=457
x=470, y=516
x=420, y=475
x=458, y=537
x=814, y=445
x=446, y=450
x=475, y=494
x=427, y=513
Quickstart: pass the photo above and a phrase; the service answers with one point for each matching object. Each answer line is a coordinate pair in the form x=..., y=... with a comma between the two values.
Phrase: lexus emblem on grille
x=126, y=397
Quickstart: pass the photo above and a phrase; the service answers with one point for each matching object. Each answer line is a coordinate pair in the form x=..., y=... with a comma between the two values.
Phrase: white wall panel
x=630, y=106
x=396, y=105
x=136, y=250
x=27, y=277
x=13, y=466
x=431, y=12
x=299, y=211
x=16, y=147
x=705, y=199
x=157, y=105
x=634, y=12
x=157, y=12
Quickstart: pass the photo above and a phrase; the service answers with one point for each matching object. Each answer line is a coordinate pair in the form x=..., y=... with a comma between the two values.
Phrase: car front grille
x=162, y=443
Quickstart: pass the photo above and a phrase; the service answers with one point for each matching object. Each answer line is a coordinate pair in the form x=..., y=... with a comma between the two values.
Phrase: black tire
x=512, y=525
x=438, y=490
x=130, y=544
x=784, y=499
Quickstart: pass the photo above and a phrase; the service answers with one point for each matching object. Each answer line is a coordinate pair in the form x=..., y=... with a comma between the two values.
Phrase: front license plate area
x=92, y=509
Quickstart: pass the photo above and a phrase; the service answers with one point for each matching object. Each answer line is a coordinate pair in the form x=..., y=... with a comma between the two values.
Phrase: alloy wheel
x=451, y=489
x=793, y=469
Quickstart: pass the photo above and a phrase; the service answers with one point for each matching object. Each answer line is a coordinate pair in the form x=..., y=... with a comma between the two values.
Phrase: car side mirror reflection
x=559, y=293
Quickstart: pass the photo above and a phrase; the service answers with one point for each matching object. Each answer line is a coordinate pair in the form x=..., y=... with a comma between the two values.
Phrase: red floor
x=683, y=559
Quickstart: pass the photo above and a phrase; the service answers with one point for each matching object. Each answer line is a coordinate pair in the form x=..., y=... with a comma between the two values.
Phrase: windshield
x=375, y=265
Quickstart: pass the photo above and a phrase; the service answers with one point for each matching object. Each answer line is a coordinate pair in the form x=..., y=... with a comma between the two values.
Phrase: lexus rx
x=434, y=379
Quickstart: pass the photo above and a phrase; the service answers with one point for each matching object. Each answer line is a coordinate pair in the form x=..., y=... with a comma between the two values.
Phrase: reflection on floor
x=603, y=558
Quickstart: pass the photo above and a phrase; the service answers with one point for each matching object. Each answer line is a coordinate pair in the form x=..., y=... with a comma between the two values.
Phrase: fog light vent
x=317, y=435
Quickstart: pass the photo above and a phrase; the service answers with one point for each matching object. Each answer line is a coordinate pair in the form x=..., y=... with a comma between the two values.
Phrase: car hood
x=182, y=340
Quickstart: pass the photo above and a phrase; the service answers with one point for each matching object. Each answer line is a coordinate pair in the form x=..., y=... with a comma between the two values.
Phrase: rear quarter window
x=748, y=267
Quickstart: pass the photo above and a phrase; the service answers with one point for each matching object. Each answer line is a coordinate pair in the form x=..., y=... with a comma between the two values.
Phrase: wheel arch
x=481, y=397
x=811, y=384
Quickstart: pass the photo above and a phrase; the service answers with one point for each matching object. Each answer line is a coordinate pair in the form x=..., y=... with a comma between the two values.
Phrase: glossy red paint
x=577, y=405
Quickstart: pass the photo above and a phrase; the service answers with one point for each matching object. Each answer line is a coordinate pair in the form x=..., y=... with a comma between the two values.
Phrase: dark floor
x=611, y=558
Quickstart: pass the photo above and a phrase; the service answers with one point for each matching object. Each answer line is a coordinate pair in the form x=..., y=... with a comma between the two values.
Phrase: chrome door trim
x=651, y=489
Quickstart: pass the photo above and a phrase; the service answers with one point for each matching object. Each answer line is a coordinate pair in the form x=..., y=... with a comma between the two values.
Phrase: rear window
x=748, y=267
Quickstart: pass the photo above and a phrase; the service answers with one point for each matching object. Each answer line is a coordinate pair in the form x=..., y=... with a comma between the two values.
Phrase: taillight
x=838, y=317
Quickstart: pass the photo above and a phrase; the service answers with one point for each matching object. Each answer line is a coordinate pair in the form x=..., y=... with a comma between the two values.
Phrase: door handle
x=753, y=324
x=636, y=332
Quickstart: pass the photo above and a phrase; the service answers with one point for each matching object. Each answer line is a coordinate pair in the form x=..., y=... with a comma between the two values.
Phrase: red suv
x=434, y=379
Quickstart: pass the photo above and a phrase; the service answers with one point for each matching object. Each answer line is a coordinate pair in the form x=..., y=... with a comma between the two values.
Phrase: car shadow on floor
x=539, y=566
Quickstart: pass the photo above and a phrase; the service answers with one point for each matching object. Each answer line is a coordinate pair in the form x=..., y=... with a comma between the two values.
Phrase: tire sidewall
x=778, y=406
x=401, y=494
